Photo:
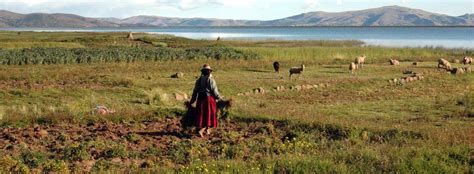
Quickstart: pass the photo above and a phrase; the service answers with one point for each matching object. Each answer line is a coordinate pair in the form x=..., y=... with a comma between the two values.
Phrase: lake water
x=449, y=37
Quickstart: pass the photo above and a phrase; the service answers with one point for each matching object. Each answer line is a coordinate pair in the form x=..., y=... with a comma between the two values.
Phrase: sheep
x=457, y=71
x=102, y=110
x=276, y=66
x=352, y=68
x=415, y=64
x=360, y=61
x=177, y=75
x=394, y=62
x=467, y=60
x=259, y=90
x=444, y=64
x=467, y=69
x=297, y=70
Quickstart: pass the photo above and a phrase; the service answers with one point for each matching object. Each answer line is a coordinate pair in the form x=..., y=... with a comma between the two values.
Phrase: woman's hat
x=206, y=67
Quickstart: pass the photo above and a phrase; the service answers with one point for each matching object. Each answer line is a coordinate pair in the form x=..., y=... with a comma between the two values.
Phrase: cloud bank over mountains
x=231, y=9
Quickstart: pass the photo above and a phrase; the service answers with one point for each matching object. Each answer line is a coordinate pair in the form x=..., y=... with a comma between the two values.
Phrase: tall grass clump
x=22, y=45
x=116, y=54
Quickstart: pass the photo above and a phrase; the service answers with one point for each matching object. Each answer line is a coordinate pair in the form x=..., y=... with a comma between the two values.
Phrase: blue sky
x=229, y=9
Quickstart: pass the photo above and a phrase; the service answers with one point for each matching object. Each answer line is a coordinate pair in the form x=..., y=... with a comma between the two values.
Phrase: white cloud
x=310, y=4
x=192, y=4
x=240, y=9
x=179, y=4
x=26, y=2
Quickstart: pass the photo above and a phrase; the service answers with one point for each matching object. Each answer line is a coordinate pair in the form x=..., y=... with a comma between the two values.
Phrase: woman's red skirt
x=206, y=112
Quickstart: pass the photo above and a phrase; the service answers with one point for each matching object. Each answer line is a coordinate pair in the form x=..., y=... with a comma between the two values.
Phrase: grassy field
x=357, y=123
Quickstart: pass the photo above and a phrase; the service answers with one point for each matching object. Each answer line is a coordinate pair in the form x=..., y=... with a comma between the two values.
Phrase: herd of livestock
x=360, y=61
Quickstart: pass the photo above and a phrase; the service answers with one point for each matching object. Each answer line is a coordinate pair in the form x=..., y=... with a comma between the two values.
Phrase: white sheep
x=360, y=61
x=352, y=68
x=467, y=60
x=102, y=110
x=296, y=70
x=442, y=63
x=467, y=69
x=394, y=62
x=457, y=71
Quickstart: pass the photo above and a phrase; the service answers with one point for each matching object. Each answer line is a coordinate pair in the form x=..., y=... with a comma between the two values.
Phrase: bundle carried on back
x=189, y=119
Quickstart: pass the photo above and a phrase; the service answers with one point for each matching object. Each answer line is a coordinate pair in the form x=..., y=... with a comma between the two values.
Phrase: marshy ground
x=359, y=123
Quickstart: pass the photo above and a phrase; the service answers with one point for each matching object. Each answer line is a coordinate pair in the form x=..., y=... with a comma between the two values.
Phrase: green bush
x=105, y=165
x=132, y=137
x=32, y=159
x=117, y=150
x=180, y=153
x=76, y=152
x=9, y=164
x=56, y=166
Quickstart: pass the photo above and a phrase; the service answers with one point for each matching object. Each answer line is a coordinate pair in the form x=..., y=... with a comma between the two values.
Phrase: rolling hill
x=43, y=20
x=383, y=16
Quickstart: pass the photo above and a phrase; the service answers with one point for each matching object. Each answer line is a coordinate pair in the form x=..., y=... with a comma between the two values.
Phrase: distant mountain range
x=383, y=16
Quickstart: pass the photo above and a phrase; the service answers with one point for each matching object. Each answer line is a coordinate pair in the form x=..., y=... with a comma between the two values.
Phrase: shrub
x=56, y=166
x=151, y=152
x=103, y=165
x=9, y=164
x=134, y=138
x=32, y=159
x=236, y=151
x=76, y=152
x=117, y=150
x=181, y=152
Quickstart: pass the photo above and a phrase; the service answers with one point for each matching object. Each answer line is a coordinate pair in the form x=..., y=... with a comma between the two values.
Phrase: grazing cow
x=296, y=70
x=276, y=66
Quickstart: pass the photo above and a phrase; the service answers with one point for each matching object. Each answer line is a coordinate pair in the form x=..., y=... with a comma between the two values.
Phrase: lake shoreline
x=395, y=37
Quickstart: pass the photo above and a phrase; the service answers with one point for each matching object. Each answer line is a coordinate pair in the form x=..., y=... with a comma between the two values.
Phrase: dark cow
x=276, y=66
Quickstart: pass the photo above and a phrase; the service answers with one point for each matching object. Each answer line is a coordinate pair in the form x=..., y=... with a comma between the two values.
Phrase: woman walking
x=205, y=93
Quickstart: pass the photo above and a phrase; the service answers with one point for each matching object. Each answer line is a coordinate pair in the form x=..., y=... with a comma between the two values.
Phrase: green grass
x=345, y=55
x=360, y=123
x=21, y=45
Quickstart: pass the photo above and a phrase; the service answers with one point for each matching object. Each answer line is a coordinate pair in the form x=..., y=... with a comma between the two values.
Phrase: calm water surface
x=449, y=37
